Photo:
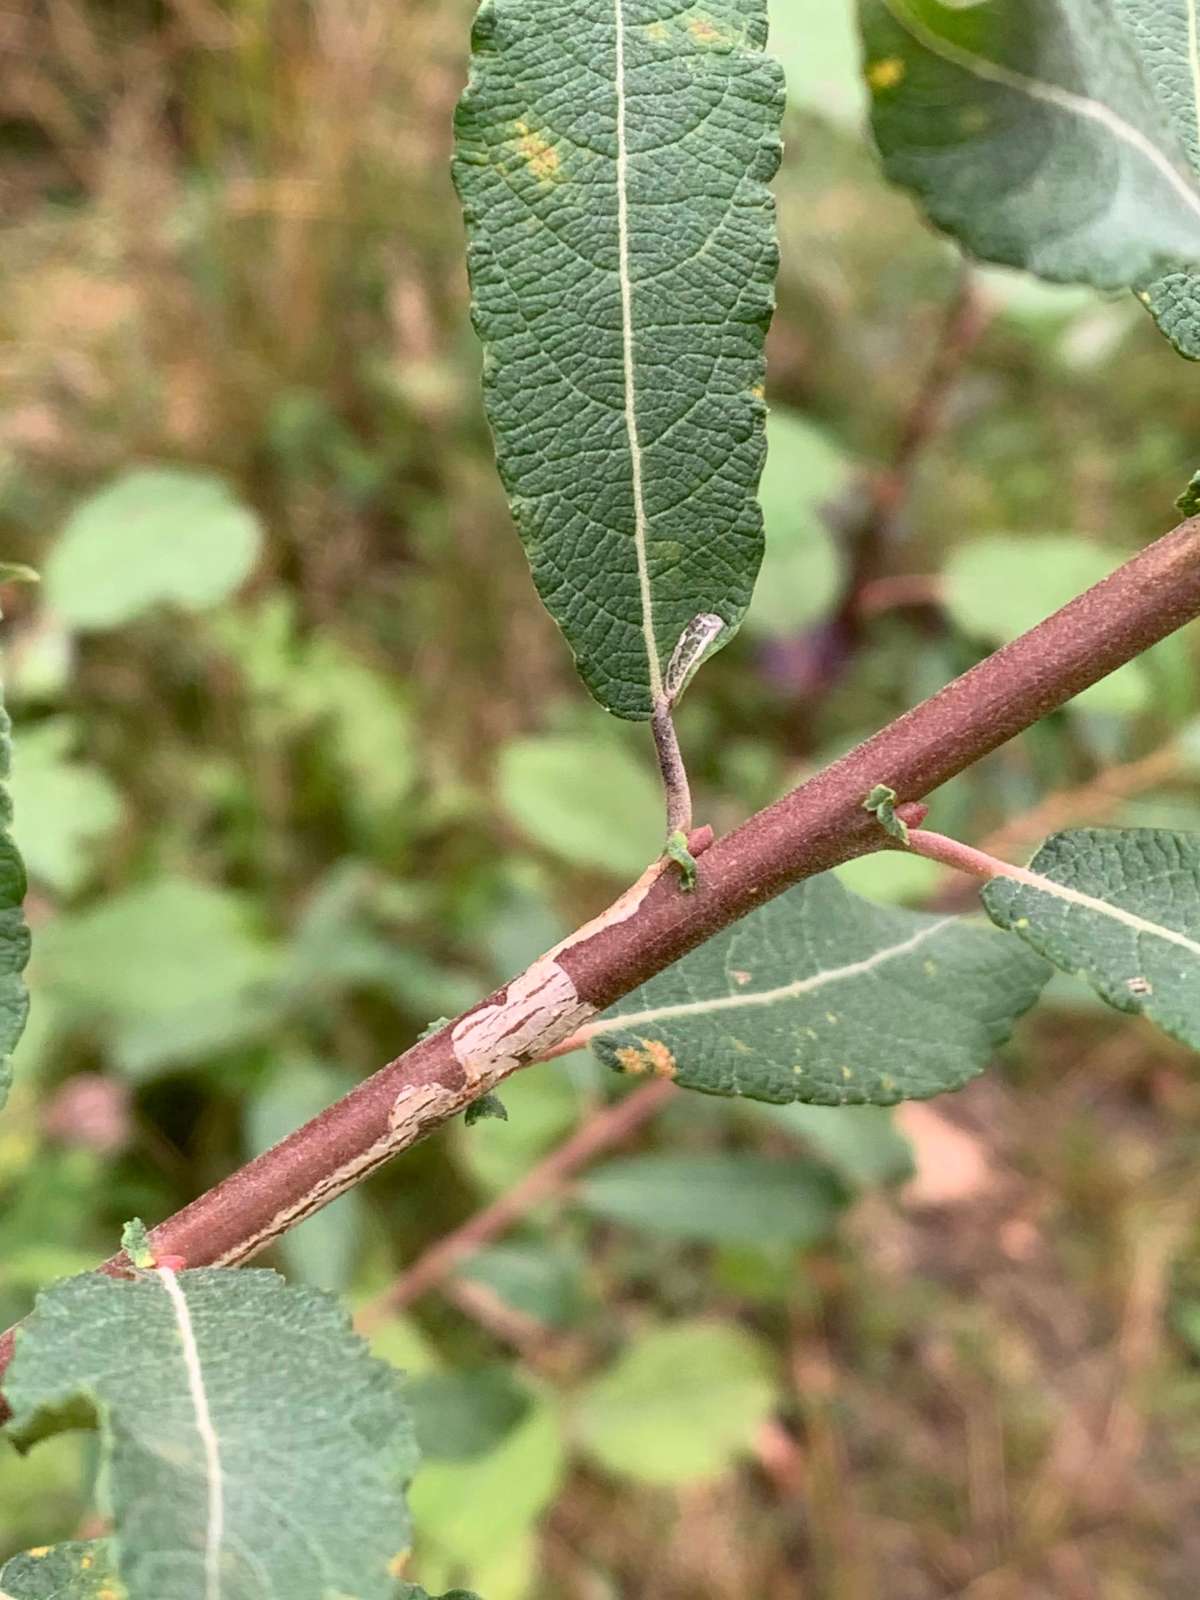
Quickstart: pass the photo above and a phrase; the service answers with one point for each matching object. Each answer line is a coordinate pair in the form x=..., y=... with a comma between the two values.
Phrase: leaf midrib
x=627, y=341
x=1054, y=94
x=768, y=997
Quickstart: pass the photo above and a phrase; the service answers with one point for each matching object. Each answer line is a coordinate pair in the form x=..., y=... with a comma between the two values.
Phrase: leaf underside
x=822, y=997
x=1056, y=135
x=209, y=1463
x=1146, y=961
x=612, y=160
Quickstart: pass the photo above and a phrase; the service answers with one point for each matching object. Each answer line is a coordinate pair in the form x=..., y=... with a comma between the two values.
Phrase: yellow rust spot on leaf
x=40, y=1552
x=398, y=1563
x=86, y=1561
x=705, y=31
x=652, y=1057
x=658, y=31
x=886, y=74
x=538, y=154
x=741, y=978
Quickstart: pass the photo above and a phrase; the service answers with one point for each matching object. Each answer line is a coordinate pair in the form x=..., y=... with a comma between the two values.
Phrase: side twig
x=609, y=1127
x=817, y=826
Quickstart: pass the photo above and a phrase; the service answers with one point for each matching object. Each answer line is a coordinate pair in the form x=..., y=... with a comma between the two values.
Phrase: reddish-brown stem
x=609, y=1127
x=962, y=857
x=816, y=827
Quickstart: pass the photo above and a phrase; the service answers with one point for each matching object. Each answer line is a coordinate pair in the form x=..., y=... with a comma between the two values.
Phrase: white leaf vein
x=214, y=1527
x=1052, y=94
x=770, y=997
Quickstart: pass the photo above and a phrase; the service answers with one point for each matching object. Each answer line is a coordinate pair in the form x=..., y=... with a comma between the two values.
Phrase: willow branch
x=818, y=826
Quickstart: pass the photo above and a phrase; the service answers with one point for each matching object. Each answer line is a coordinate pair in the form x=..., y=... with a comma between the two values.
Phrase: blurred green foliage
x=301, y=766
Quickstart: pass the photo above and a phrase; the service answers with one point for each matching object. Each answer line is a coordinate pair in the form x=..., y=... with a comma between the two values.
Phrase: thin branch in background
x=869, y=535
x=600, y=1132
x=1093, y=802
x=819, y=825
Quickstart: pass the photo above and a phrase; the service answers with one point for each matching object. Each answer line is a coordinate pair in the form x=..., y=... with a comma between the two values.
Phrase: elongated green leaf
x=680, y=1406
x=82, y=1571
x=14, y=935
x=253, y=1446
x=720, y=1198
x=1048, y=134
x=1168, y=34
x=1120, y=907
x=823, y=997
x=157, y=535
x=612, y=161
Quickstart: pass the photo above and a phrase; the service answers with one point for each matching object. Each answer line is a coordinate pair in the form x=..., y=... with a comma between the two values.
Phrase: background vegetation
x=302, y=765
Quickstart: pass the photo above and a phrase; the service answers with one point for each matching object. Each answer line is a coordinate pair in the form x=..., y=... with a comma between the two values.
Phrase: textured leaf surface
x=822, y=997
x=1048, y=134
x=680, y=1406
x=155, y=535
x=83, y=1571
x=14, y=935
x=717, y=1199
x=254, y=1450
x=1168, y=35
x=1120, y=907
x=612, y=162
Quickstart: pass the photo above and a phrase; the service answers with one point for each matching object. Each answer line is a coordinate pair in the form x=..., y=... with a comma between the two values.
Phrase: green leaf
x=543, y=1280
x=612, y=162
x=822, y=997
x=461, y=1415
x=173, y=967
x=1120, y=908
x=84, y=1571
x=816, y=43
x=586, y=800
x=1048, y=134
x=252, y=1445
x=487, y=1107
x=802, y=570
x=680, y=1407
x=471, y=1510
x=14, y=935
x=135, y=1241
x=1001, y=586
x=63, y=806
x=860, y=1143
x=717, y=1199
x=155, y=536
x=1189, y=501
x=881, y=802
